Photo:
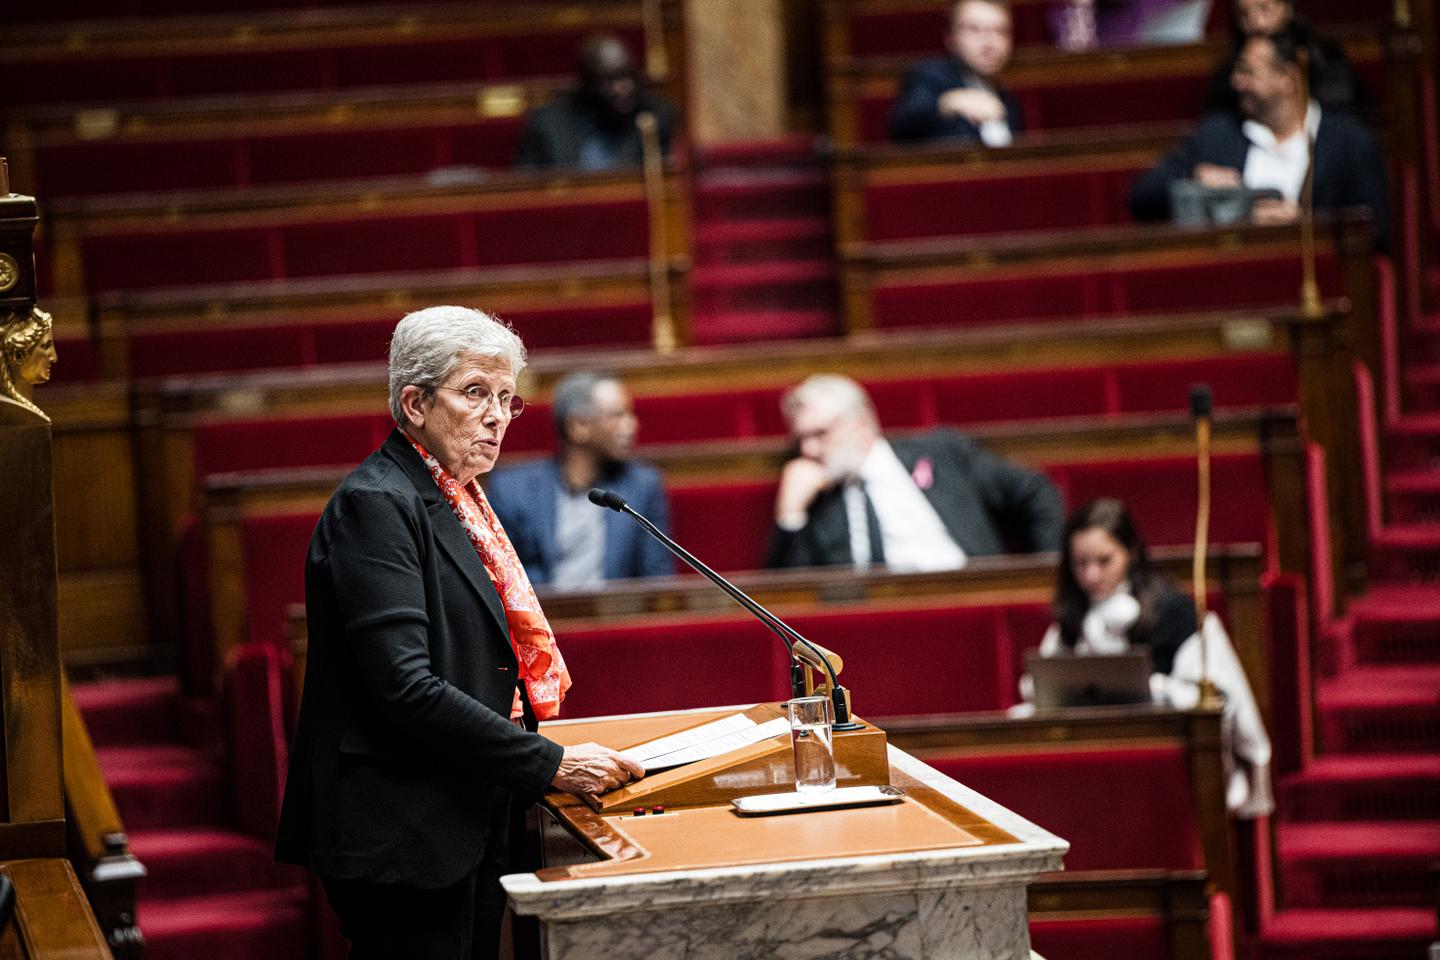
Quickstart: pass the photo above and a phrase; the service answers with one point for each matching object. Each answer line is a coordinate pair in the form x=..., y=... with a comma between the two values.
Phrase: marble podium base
x=962, y=903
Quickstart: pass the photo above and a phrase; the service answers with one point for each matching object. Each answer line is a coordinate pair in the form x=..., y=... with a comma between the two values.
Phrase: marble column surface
x=963, y=902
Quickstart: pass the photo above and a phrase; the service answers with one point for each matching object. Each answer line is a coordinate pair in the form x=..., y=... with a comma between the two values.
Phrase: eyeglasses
x=511, y=405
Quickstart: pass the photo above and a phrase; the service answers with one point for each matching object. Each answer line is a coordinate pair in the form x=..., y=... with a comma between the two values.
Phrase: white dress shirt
x=913, y=536
x=1279, y=164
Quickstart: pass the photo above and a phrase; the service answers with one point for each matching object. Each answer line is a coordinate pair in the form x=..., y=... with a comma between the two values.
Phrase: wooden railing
x=52, y=921
x=99, y=847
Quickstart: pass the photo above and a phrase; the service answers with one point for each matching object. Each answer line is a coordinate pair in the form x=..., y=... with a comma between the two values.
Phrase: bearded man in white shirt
x=1267, y=144
x=924, y=502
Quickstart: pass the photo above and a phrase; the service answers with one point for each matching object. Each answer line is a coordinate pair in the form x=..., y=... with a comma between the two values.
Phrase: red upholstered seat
x=669, y=665
x=1162, y=495
x=1100, y=292
x=79, y=168
x=1121, y=808
x=1045, y=200
x=1025, y=395
x=78, y=360
x=913, y=661
x=366, y=339
x=273, y=547
x=160, y=353
x=391, y=61
x=1242, y=380
x=1100, y=938
x=540, y=233
x=734, y=659
x=261, y=444
x=726, y=525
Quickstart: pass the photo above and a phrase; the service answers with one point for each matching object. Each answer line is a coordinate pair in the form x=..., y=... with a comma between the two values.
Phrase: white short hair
x=428, y=344
x=832, y=391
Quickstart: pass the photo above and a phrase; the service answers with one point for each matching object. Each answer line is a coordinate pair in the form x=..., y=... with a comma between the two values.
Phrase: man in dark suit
x=417, y=721
x=593, y=127
x=1266, y=145
x=928, y=502
x=959, y=97
x=561, y=537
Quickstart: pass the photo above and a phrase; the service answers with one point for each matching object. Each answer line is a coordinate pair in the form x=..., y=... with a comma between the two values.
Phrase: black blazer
x=404, y=740
x=982, y=499
x=916, y=114
x=1349, y=170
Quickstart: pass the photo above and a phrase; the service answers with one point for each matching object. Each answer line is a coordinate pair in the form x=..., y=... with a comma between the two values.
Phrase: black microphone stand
x=787, y=634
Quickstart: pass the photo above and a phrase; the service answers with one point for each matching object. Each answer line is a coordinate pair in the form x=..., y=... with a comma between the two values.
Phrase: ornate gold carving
x=27, y=352
x=9, y=272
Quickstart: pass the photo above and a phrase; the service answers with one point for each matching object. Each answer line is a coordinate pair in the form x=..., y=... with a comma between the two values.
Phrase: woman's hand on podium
x=589, y=768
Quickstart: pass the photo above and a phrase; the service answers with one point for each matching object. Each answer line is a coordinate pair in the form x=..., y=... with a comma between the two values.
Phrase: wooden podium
x=941, y=874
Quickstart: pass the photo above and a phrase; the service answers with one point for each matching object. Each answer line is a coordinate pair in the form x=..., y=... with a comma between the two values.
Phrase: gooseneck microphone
x=786, y=633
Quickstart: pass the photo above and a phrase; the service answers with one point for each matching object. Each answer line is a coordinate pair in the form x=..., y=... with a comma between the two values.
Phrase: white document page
x=705, y=741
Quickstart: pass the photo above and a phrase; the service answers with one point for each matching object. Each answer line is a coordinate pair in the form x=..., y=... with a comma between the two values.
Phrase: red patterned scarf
x=541, y=666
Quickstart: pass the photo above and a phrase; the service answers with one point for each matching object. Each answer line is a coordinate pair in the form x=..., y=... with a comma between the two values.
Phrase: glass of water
x=811, y=733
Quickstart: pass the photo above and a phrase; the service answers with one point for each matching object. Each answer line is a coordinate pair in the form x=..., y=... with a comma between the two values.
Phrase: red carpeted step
x=268, y=924
x=1380, y=710
x=1355, y=934
x=761, y=194
x=163, y=786
x=1400, y=786
x=1413, y=442
x=760, y=241
x=797, y=150
x=728, y=288
x=1366, y=864
x=1413, y=496
x=200, y=861
x=763, y=325
x=1422, y=385
x=1406, y=553
x=1396, y=624
x=120, y=712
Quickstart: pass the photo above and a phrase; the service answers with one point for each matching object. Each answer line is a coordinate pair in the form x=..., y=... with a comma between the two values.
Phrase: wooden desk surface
x=712, y=834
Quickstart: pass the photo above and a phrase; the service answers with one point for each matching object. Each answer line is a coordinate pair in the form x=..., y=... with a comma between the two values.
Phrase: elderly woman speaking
x=429, y=663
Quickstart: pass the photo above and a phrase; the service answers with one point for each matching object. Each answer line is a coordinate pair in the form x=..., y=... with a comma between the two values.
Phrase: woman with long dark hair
x=1107, y=597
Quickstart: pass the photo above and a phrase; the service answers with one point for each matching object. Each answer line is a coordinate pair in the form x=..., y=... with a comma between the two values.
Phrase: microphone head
x=1201, y=401
x=606, y=498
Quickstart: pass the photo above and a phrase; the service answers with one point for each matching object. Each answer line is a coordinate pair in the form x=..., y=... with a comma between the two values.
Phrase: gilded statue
x=27, y=352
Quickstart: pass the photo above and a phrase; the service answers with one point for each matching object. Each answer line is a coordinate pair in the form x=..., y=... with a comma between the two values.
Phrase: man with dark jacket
x=928, y=502
x=593, y=127
x=560, y=536
x=958, y=97
x=1266, y=145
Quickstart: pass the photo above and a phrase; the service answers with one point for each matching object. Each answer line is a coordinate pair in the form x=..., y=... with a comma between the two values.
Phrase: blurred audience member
x=560, y=536
x=927, y=502
x=1333, y=85
x=1109, y=600
x=1266, y=146
x=593, y=127
x=959, y=97
x=1086, y=24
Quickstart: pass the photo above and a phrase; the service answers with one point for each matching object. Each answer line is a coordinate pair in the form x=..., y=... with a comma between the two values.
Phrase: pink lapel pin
x=923, y=474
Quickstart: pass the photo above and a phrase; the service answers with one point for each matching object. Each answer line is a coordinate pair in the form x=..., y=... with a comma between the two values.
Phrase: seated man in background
x=927, y=502
x=593, y=127
x=1334, y=86
x=560, y=536
x=1266, y=145
x=958, y=97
